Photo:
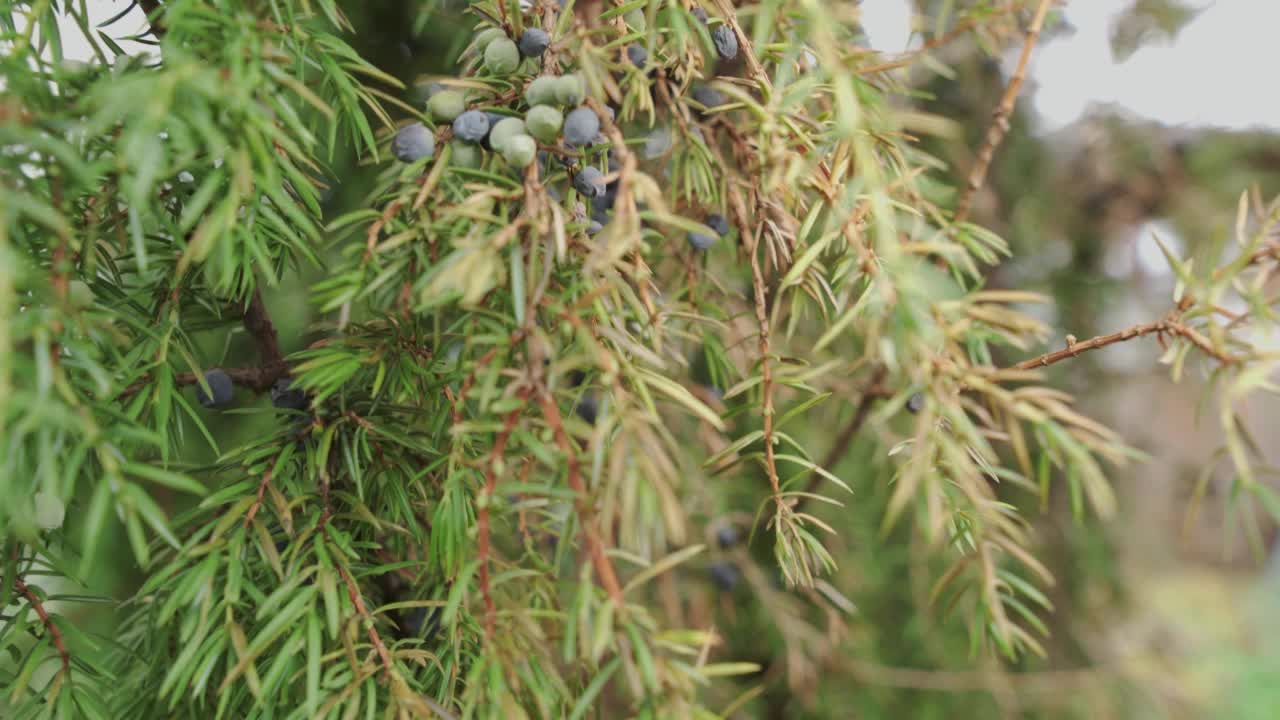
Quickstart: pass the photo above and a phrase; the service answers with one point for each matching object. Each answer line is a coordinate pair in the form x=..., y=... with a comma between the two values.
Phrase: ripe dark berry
x=727, y=537
x=581, y=127
x=471, y=126
x=418, y=622
x=413, y=621
x=533, y=42
x=700, y=14
x=725, y=576
x=599, y=213
x=589, y=182
x=286, y=397
x=220, y=388
x=716, y=222
x=637, y=55
x=594, y=228
x=588, y=408
x=707, y=96
x=701, y=241
x=726, y=42
x=657, y=143
x=915, y=403
x=412, y=143
x=610, y=196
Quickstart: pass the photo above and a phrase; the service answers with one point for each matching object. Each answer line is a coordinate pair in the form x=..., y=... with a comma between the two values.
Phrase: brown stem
x=751, y=241
x=354, y=594
x=482, y=515
x=935, y=42
x=257, y=502
x=470, y=380
x=1170, y=325
x=259, y=379
x=1000, y=118
x=326, y=474
x=258, y=322
x=26, y=592
x=590, y=532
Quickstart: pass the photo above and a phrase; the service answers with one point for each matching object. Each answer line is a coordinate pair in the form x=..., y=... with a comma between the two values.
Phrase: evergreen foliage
x=515, y=469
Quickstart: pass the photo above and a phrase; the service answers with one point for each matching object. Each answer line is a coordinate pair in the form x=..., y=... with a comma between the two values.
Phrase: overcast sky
x=1211, y=76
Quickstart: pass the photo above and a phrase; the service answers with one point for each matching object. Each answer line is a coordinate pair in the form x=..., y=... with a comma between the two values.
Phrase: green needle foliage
x=527, y=415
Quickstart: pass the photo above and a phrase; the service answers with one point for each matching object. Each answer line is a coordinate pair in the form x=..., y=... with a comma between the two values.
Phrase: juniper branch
x=1000, y=118
x=36, y=604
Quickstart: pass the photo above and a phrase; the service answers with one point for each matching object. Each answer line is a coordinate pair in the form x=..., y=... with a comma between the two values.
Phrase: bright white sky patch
x=887, y=24
x=1209, y=76
x=134, y=22
x=1212, y=75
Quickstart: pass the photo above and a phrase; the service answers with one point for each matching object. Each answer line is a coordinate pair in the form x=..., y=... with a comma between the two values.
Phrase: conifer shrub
x=526, y=453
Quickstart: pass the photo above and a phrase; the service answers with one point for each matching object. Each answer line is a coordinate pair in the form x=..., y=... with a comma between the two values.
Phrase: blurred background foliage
x=1163, y=612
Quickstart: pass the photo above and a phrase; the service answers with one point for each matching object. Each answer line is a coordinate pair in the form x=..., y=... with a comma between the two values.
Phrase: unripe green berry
x=487, y=36
x=544, y=123
x=446, y=105
x=50, y=511
x=504, y=130
x=542, y=91
x=465, y=155
x=519, y=151
x=79, y=294
x=502, y=56
x=635, y=18
x=570, y=90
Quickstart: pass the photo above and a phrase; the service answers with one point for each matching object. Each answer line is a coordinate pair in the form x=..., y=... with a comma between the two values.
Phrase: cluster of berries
x=513, y=137
x=221, y=392
x=553, y=117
